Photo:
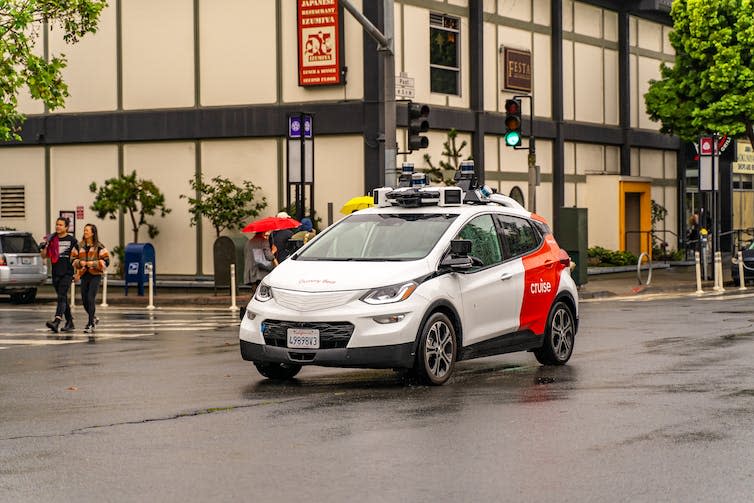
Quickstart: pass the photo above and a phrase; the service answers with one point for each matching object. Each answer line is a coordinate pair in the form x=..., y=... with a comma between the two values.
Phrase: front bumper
x=350, y=336
x=392, y=356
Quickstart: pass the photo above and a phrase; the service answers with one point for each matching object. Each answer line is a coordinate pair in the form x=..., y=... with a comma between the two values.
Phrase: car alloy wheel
x=438, y=350
x=557, y=346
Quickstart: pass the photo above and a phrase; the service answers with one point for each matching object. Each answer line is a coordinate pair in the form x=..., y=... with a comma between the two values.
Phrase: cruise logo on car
x=541, y=287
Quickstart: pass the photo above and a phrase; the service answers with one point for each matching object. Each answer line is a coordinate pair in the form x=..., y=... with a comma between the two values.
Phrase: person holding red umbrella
x=279, y=239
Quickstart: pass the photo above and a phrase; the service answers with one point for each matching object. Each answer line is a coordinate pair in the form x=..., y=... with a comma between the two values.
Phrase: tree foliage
x=21, y=22
x=137, y=197
x=710, y=87
x=225, y=204
x=445, y=170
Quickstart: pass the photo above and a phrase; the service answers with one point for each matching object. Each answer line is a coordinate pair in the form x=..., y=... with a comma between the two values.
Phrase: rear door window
x=519, y=235
x=18, y=243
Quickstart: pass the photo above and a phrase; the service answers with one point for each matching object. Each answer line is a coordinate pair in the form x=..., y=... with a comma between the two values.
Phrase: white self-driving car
x=428, y=277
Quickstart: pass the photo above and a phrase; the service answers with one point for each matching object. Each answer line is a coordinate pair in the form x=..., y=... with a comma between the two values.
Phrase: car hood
x=325, y=276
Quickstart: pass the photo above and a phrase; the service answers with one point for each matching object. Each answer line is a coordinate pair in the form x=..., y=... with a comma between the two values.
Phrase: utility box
x=227, y=251
x=139, y=259
x=574, y=239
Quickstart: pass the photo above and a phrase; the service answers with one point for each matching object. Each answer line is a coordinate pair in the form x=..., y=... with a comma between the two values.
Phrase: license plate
x=26, y=260
x=303, y=338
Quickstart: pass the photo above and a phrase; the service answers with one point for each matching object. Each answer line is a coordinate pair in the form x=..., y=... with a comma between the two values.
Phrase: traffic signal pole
x=387, y=141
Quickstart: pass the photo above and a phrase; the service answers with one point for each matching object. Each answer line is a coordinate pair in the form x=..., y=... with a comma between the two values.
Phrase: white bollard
x=741, y=279
x=698, y=264
x=151, y=288
x=73, y=293
x=233, y=306
x=716, y=287
x=719, y=271
x=104, y=289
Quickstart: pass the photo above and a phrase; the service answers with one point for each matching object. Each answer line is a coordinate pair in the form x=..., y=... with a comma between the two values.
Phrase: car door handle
x=506, y=276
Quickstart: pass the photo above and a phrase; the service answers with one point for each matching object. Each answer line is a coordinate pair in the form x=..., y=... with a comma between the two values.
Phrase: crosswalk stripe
x=119, y=329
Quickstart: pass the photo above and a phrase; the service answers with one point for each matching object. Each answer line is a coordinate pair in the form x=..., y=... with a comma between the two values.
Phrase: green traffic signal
x=512, y=139
x=513, y=122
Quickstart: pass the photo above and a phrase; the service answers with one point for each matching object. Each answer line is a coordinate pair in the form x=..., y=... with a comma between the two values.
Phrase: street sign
x=404, y=86
x=405, y=92
x=706, y=145
x=294, y=126
x=403, y=81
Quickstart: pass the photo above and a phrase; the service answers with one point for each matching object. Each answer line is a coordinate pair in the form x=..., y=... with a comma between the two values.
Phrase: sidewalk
x=664, y=280
x=192, y=292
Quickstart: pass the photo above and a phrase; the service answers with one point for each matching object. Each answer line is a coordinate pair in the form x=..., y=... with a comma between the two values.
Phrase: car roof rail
x=505, y=201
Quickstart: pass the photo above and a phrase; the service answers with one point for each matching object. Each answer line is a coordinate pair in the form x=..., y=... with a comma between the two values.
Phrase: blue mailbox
x=139, y=259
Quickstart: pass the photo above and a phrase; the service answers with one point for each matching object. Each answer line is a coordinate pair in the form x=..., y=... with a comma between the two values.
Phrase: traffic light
x=417, y=123
x=513, y=122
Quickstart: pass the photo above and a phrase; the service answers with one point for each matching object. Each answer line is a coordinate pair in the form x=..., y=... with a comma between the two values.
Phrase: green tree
x=21, y=22
x=225, y=204
x=137, y=197
x=710, y=87
x=445, y=171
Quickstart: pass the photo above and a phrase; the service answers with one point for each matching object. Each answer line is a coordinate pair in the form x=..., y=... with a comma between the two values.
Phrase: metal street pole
x=388, y=58
x=388, y=146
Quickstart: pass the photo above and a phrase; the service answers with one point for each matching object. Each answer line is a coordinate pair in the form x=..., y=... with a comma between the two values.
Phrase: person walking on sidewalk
x=58, y=247
x=90, y=262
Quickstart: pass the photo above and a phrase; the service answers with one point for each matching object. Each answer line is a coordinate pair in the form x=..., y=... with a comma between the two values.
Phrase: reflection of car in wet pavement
x=22, y=269
x=419, y=282
x=748, y=259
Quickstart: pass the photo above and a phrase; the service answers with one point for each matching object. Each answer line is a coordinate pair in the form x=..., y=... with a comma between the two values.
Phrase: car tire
x=438, y=350
x=559, y=337
x=25, y=297
x=278, y=371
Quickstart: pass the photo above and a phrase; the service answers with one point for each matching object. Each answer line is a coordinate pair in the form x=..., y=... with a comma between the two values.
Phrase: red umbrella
x=271, y=224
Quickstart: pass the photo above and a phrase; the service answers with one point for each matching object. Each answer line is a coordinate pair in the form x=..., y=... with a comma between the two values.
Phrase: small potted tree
x=136, y=197
x=227, y=206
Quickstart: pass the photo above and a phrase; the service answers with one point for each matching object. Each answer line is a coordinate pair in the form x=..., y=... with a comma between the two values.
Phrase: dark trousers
x=62, y=285
x=89, y=288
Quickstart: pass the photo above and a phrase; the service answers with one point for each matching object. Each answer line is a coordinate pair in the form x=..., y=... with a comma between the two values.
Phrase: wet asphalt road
x=657, y=404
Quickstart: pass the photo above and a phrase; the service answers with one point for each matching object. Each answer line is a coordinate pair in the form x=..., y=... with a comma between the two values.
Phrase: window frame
x=457, y=69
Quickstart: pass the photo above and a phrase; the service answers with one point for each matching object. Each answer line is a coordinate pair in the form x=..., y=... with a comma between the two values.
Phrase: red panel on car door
x=541, y=281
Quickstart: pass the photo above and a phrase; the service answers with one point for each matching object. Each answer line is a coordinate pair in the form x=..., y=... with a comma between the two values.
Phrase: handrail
x=638, y=268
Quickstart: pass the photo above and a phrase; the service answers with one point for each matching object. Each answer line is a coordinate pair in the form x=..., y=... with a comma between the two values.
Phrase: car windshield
x=18, y=243
x=378, y=237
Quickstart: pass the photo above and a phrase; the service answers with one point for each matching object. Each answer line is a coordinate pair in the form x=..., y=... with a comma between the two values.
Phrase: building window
x=12, y=202
x=444, y=54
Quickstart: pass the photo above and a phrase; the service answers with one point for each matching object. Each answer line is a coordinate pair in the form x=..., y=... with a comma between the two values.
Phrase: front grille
x=332, y=334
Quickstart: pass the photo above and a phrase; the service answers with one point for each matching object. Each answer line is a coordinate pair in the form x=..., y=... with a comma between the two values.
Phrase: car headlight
x=390, y=294
x=263, y=293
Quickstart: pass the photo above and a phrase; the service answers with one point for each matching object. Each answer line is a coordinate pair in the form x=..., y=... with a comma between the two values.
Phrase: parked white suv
x=22, y=269
x=420, y=282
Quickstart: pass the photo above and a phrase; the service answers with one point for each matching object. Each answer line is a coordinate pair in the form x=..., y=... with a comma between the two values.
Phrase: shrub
x=605, y=258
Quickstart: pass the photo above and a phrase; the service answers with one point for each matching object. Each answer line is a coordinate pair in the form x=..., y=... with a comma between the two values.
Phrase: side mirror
x=456, y=263
x=460, y=247
x=458, y=258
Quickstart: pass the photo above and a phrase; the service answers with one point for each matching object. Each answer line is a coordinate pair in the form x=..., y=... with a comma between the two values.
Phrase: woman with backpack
x=90, y=263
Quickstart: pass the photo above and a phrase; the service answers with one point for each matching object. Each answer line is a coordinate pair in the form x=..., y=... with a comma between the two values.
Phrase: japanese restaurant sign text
x=319, y=58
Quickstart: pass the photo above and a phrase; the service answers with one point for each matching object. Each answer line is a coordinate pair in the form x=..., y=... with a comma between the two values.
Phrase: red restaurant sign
x=318, y=43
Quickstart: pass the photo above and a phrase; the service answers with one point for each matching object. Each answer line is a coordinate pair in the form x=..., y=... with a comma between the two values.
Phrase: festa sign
x=319, y=37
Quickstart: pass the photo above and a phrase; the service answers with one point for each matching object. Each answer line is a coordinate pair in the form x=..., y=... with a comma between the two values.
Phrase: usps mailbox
x=139, y=259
